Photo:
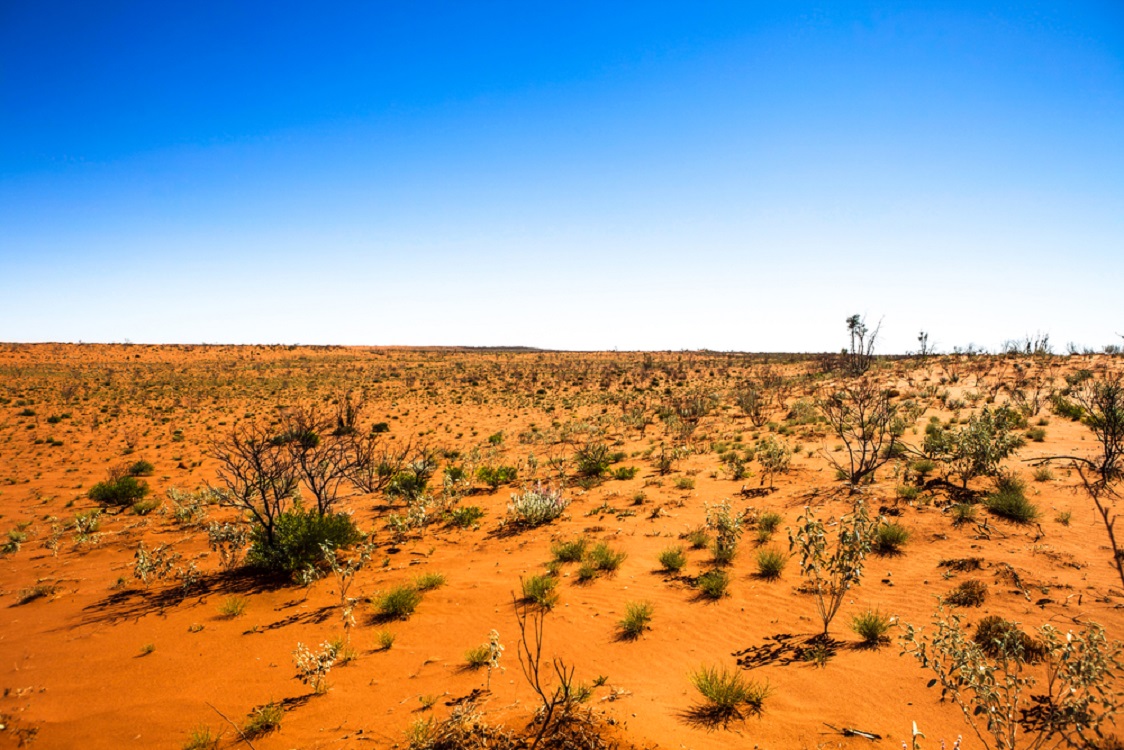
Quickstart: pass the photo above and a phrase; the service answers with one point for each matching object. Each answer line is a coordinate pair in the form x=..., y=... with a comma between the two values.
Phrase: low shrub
x=263, y=720
x=141, y=469
x=994, y=635
x=429, y=581
x=298, y=538
x=465, y=516
x=123, y=491
x=536, y=506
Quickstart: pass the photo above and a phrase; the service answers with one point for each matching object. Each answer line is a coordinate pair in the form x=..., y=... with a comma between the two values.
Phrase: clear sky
x=580, y=175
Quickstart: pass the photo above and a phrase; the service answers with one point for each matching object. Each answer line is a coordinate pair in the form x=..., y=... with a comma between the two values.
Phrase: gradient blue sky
x=583, y=175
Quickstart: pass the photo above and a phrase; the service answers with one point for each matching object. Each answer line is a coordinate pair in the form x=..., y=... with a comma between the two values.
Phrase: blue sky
x=572, y=175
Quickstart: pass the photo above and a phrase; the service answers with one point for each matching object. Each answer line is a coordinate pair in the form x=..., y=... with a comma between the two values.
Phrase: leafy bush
x=625, y=472
x=770, y=563
x=536, y=506
x=728, y=694
x=673, y=560
x=713, y=584
x=871, y=626
x=637, y=615
x=494, y=476
x=298, y=538
x=592, y=459
x=124, y=490
x=465, y=516
x=398, y=603
x=141, y=469
x=889, y=538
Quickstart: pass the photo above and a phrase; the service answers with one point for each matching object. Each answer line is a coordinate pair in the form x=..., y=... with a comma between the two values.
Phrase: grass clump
x=889, y=538
x=994, y=635
x=604, y=558
x=429, y=581
x=767, y=524
x=540, y=590
x=478, y=656
x=385, y=639
x=728, y=695
x=201, y=738
x=1009, y=501
x=713, y=584
x=673, y=559
x=263, y=720
x=398, y=603
x=698, y=538
x=963, y=513
x=637, y=616
x=971, y=593
x=568, y=551
x=770, y=563
x=232, y=606
x=871, y=626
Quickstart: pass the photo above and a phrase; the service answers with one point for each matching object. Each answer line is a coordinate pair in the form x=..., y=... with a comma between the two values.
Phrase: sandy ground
x=102, y=661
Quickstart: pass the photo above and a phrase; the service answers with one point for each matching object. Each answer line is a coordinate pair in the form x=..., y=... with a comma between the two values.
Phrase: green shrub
x=713, y=584
x=569, y=551
x=1009, y=501
x=889, y=538
x=494, y=476
x=592, y=459
x=1036, y=434
x=728, y=694
x=625, y=472
x=141, y=469
x=770, y=563
x=908, y=492
x=540, y=590
x=202, y=738
x=637, y=615
x=1043, y=474
x=466, y=516
x=121, y=491
x=297, y=539
x=398, y=603
x=684, y=483
x=871, y=626
x=673, y=560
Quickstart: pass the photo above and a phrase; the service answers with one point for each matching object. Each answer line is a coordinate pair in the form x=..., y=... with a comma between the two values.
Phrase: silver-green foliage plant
x=229, y=540
x=979, y=447
x=536, y=506
x=1018, y=692
x=833, y=566
x=727, y=528
x=313, y=666
x=774, y=457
